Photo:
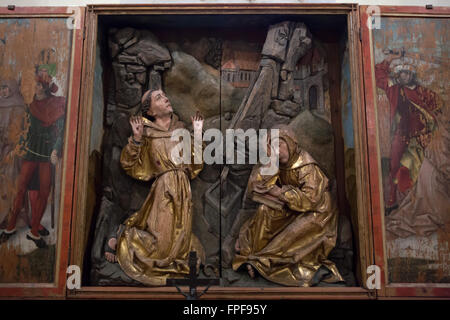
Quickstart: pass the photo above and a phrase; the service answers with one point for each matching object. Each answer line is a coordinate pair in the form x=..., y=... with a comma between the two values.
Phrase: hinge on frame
x=360, y=35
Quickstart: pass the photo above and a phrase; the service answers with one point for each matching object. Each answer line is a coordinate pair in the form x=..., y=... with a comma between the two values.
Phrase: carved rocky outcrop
x=299, y=43
x=127, y=90
x=192, y=86
x=277, y=41
x=271, y=119
x=285, y=108
x=149, y=50
x=135, y=54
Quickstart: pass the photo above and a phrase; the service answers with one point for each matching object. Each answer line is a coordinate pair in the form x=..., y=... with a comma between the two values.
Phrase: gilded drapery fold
x=137, y=164
x=288, y=246
x=156, y=240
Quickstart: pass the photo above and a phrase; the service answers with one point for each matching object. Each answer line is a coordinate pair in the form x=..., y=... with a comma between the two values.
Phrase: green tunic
x=45, y=123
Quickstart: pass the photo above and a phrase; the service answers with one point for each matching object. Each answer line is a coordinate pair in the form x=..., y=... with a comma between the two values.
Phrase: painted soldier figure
x=41, y=148
x=413, y=111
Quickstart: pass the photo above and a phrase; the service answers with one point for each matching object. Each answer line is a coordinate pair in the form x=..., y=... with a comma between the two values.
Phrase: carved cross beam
x=193, y=282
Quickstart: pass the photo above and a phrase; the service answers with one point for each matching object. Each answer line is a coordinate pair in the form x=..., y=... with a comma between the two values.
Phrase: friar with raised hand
x=155, y=242
x=295, y=226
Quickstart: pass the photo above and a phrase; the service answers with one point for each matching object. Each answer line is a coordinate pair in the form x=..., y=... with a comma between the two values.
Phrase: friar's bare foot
x=163, y=263
x=251, y=271
x=110, y=252
x=237, y=246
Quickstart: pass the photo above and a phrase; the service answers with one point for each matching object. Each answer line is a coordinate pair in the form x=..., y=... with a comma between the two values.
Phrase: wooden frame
x=66, y=200
x=377, y=204
x=364, y=235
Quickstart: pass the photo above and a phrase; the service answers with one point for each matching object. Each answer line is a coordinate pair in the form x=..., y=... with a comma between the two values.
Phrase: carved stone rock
x=285, y=108
x=110, y=110
x=130, y=42
x=265, y=62
x=271, y=119
x=167, y=64
x=154, y=80
x=191, y=87
x=299, y=43
x=258, y=100
x=158, y=67
x=287, y=90
x=135, y=69
x=277, y=41
x=127, y=94
x=149, y=50
x=130, y=78
x=123, y=58
x=141, y=77
x=114, y=49
x=124, y=35
x=121, y=129
x=213, y=57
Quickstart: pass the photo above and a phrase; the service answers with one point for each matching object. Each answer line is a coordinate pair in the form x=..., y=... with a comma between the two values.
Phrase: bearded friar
x=295, y=226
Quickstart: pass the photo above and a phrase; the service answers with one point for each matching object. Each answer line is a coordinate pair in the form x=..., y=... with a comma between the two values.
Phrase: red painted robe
x=416, y=107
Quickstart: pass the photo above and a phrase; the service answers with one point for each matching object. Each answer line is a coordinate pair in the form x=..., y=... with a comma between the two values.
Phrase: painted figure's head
x=405, y=74
x=405, y=78
x=43, y=80
x=46, y=72
x=5, y=92
x=10, y=93
x=42, y=88
x=155, y=104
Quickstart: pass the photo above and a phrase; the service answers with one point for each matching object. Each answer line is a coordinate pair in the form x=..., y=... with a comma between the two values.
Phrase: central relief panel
x=249, y=222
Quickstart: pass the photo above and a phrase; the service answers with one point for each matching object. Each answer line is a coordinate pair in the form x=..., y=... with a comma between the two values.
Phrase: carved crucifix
x=193, y=282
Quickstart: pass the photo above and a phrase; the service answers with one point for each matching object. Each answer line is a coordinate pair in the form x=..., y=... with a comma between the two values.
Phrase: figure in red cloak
x=42, y=145
x=413, y=110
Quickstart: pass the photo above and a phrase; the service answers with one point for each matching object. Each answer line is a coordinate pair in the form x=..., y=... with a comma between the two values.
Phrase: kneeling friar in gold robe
x=295, y=226
x=156, y=240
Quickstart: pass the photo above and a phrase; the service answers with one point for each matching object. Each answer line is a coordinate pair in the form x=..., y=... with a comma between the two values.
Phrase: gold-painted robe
x=288, y=246
x=156, y=240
